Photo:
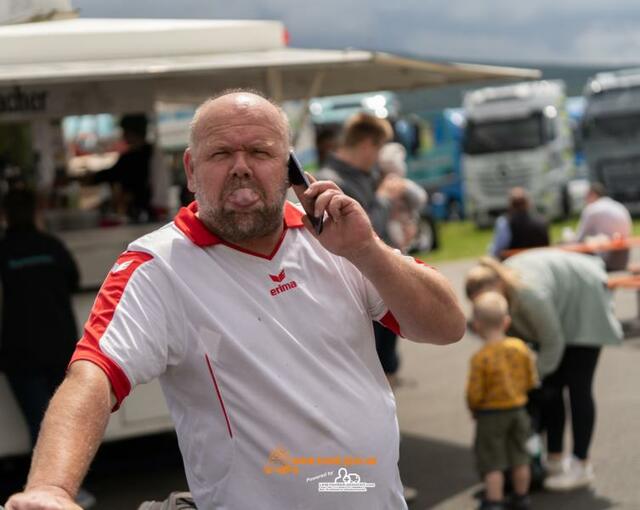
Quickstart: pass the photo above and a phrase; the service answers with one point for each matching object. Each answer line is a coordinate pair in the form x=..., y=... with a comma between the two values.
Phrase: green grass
x=462, y=240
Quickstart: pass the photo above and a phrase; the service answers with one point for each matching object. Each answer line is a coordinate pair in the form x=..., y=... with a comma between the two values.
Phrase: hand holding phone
x=297, y=177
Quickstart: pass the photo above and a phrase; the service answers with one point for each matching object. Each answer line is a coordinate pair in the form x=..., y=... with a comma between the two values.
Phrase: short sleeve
x=377, y=307
x=501, y=237
x=131, y=333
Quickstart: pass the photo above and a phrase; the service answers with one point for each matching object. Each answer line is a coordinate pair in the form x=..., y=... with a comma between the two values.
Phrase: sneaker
x=555, y=467
x=409, y=493
x=576, y=476
x=85, y=499
x=520, y=502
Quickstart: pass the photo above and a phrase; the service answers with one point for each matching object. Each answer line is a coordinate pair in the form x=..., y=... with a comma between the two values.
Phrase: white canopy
x=91, y=65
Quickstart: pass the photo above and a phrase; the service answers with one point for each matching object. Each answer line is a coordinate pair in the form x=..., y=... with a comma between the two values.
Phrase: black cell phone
x=297, y=177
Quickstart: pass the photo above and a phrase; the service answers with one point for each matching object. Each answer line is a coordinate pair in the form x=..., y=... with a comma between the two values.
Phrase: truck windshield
x=612, y=126
x=504, y=135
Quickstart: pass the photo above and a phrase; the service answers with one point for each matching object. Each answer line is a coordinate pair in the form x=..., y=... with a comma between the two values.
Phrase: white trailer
x=517, y=135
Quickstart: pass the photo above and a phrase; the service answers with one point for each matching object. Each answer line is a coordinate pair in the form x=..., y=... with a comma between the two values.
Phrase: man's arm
x=71, y=432
x=584, y=225
x=501, y=237
x=421, y=300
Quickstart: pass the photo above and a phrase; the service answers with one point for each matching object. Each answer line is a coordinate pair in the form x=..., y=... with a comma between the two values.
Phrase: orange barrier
x=625, y=282
x=590, y=247
x=631, y=327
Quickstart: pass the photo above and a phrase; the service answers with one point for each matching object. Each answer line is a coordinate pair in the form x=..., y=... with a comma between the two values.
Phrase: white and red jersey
x=268, y=366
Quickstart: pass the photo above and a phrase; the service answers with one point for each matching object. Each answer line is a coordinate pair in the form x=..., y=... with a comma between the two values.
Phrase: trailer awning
x=188, y=60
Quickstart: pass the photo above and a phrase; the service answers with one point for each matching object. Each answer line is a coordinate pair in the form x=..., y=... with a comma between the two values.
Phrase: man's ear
x=187, y=161
x=507, y=322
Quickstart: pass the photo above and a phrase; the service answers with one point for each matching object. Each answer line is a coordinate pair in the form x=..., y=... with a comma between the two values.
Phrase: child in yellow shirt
x=502, y=372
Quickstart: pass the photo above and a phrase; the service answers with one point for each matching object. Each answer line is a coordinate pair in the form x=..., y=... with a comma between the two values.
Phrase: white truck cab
x=517, y=135
x=611, y=134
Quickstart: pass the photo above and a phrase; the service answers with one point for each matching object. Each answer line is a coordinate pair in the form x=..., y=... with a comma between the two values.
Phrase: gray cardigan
x=563, y=300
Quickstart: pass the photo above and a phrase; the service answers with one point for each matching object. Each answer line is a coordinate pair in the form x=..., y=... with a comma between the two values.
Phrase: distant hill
x=575, y=78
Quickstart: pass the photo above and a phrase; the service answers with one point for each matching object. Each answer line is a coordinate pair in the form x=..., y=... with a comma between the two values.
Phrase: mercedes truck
x=517, y=135
x=611, y=134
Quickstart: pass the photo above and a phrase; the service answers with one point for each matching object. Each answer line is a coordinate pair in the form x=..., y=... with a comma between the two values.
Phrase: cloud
x=618, y=45
x=486, y=46
x=563, y=31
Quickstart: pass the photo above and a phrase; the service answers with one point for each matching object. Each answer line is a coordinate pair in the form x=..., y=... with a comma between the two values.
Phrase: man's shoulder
x=539, y=220
x=604, y=205
x=152, y=254
x=160, y=240
x=338, y=166
x=328, y=173
x=34, y=239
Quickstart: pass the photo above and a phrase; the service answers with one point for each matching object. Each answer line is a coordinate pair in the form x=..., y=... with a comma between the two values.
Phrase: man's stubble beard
x=235, y=227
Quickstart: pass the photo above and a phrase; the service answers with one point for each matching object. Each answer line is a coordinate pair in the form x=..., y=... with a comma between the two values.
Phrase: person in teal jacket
x=559, y=302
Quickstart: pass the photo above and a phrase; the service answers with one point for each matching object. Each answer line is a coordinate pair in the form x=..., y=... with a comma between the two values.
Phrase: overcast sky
x=537, y=31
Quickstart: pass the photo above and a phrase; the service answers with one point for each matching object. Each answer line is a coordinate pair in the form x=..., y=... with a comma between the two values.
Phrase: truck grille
x=497, y=182
x=621, y=177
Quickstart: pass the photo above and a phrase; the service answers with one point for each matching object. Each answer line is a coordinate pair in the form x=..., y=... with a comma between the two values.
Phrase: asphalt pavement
x=437, y=430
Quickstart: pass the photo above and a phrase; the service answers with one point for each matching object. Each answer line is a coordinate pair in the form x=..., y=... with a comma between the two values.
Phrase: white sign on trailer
x=53, y=101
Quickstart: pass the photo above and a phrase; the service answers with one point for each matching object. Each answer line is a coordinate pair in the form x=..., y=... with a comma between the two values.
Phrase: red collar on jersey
x=187, y=221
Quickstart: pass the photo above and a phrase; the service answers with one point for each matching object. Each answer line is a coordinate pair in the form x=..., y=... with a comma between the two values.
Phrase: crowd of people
x=558, y=302
x=244, y=313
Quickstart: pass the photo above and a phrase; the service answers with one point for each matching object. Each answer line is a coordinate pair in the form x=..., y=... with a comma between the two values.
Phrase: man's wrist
x=54, y=490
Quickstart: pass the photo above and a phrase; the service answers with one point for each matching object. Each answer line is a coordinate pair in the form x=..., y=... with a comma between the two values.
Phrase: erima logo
x=283, y=287
x=277, y=278
x=121, y=267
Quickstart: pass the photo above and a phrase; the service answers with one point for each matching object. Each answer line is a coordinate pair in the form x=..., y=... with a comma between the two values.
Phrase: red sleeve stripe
x=102, y=313
x=390, y=322
x=423, y=263
x=119, y=381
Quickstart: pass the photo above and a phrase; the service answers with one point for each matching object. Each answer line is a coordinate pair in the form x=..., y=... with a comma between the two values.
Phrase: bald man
x=259, y=331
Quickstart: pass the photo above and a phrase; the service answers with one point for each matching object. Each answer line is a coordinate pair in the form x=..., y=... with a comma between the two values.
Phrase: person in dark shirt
x=520, y=227
x=353, y=168
x=38, y=276
x=132, y=171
